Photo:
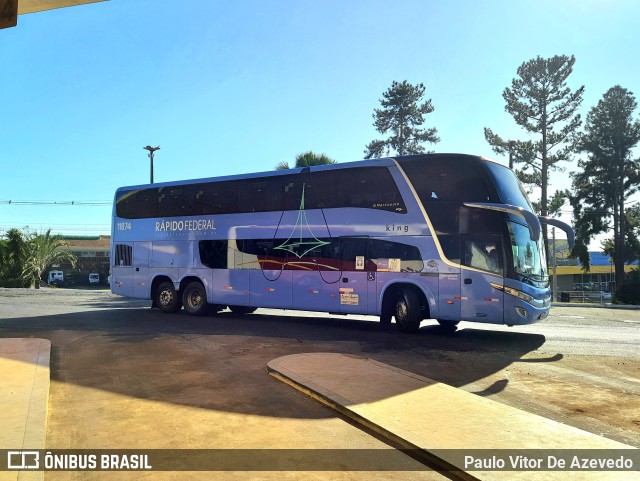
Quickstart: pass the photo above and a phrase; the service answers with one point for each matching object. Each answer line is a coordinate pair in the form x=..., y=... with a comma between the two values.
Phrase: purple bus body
x=350, y=260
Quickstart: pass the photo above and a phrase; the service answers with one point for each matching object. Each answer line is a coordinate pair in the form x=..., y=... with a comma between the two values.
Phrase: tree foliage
x=42, y=251
x=555, y=204
x=307, y=159
x=401, y=116
x=540, y=102
x=629, y=292
x=609, y=176
x=12, y=253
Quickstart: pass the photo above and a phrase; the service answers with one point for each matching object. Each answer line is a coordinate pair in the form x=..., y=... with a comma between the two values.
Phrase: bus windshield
x=509, y=188
x=529, y=263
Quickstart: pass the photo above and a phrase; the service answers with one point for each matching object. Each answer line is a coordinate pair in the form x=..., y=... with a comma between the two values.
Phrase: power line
x=90, y=203
x=95, y=229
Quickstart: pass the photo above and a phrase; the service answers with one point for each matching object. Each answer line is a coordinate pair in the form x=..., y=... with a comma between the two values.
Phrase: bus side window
x=450, y=246
x=175, y=201
x=126, y=205
x=216, y=198
x=483, y=252
x=410, y=257
x=147, y=203
x=368, y=188
x=350, y=249
x=260, y=195
x=213, y=253
x=124, y=254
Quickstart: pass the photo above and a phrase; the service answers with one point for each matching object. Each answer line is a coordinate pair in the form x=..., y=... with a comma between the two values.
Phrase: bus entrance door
x=481, y=302
x=356, y=280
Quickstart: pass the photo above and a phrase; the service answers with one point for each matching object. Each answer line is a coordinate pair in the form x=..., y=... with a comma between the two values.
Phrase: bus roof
x=383, y=161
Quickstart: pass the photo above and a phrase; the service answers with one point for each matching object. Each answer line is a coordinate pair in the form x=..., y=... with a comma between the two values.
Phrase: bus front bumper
x=519, y=312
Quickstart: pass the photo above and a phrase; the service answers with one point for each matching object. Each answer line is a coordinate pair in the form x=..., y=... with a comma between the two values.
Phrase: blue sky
x=235, y=87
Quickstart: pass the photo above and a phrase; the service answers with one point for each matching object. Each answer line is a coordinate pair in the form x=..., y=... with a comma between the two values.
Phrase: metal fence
x=593, y=297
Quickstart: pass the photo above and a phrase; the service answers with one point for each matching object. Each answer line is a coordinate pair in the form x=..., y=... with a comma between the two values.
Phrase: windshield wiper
x=532, y=280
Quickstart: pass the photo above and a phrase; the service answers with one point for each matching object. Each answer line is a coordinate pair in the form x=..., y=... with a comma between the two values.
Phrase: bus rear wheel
x=408, y=311
x=166, y=297
x=194, y=299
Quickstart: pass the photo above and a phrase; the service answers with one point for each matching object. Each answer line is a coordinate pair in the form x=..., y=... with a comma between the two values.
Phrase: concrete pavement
x=413, y=411
x=438, y=420
x=24, y=393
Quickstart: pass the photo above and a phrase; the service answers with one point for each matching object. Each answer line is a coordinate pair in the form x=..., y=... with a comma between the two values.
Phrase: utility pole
x=151, y=151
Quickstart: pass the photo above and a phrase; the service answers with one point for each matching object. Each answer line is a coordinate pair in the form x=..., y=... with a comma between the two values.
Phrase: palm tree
x=307, y=159
x=42, y=251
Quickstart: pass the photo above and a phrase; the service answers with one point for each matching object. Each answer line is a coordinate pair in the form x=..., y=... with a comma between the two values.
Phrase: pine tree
x=609, y=176
x=541, y=103
x=402, y=115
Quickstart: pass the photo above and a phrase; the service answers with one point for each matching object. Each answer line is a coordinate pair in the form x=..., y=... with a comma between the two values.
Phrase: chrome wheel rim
x=194, y=299
x=166, y=297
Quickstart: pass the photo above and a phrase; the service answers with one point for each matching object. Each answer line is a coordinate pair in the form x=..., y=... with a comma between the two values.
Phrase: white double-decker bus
x=448, y=237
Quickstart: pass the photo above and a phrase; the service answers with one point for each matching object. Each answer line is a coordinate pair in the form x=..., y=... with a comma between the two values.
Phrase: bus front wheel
x=166, y=297
x=408, y=311
x=194, y=299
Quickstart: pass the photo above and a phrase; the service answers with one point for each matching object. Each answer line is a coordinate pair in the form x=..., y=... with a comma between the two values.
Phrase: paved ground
x=124, y=376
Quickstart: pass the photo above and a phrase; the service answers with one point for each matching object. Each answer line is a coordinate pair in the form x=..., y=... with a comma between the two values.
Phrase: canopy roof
x=10, y=9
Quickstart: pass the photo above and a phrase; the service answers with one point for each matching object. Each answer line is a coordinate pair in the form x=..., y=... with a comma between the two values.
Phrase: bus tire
x=166, y=298
x=194, y=299
x=448, y=326
x=387, y=312
x=408, y=311
x=242, y=310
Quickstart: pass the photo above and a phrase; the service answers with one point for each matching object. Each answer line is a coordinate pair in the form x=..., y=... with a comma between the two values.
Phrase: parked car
x=56, y=278
x=94, y=278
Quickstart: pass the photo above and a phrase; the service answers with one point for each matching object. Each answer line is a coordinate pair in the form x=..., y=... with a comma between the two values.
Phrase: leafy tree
x=629, y=292
x=12, y=251
x=41, y=251
x=631, y=250
x=307, y=159
x=609, y=176
x=402, y=114
x=555, y=204
x=541, y=103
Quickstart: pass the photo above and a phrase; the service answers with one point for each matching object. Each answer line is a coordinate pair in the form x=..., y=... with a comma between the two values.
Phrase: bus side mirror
x=571, y=238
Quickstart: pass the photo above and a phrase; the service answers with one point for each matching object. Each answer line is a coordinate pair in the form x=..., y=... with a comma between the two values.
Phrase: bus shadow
x=211, y=362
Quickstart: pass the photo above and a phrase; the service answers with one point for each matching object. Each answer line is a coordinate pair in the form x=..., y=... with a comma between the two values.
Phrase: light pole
x=151, y=151
x=512, y=145
x=554, y=267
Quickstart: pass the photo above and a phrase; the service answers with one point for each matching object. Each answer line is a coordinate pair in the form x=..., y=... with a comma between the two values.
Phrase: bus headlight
x=514, y=293
x=522, y=312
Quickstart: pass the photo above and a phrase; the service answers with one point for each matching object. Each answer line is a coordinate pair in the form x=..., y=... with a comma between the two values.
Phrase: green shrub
x=629, y=292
